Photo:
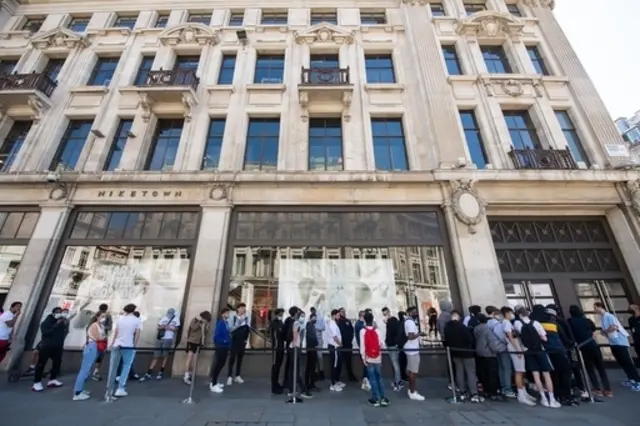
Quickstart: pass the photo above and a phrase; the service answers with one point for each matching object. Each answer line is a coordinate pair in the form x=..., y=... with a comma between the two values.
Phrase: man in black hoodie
x=277, y=350
x=391, y=342
x=457, y=335
x=239, y=328
x=54, y=329
x=346, y=330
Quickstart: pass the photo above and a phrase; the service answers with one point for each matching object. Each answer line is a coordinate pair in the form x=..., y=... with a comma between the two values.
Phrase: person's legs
x=288, y=370
x=506, y=373
x=402, y=358
x=320, y=360
x=481, y=370
x=623, y=357
x=469, y=370
x=89, y=355
x=589, y=365
x=4, y=348
x=239, y=358
x=348, y=363
x=375, y=394
x=127, y=360
x=56, y=363
x=395, y=363
x=96, y=368
x=459, y=374
x=221, y=355
x=379, y=382
x=413, y=367
x=309, y=369
x=598, y=361
x=278, y=358
x=45, y=353
x=491, y=376
x=233, y=354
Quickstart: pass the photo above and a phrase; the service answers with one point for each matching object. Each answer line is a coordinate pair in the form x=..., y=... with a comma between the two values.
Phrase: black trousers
x=402, y=358
x=310, y=369
x=45, y=354
x=336, y=364
x=561, y=374
x=289, y=373
x=593, y=361
x=236, y=354
x=487, y=371
x=220, y=358
x=636, y=345
x=623, y=358
x=347, y=357
x=277, y=356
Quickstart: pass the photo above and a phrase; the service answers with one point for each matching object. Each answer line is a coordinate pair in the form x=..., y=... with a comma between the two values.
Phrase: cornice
x=551, y=4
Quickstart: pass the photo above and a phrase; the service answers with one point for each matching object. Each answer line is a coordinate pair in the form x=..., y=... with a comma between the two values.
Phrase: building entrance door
x=530, y=293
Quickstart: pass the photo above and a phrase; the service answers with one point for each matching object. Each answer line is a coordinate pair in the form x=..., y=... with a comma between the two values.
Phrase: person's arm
x=332, y=331
x=362, y=347
x=494, y=343
x=541, y=331
x=412, y=333
x=12, y=322
x=612, y=326
x=508, y=331
x=115, y=336
x=94, y=332
x=136, y=337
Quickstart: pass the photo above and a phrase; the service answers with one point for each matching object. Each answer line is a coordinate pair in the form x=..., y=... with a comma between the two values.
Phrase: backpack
x=530, y=337
x=401, y=338
x=371, y=343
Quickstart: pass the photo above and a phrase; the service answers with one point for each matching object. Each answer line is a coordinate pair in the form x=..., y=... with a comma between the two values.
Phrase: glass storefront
x=10, y=258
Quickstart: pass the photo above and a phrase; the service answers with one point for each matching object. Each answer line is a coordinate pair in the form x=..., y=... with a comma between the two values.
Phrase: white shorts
x=413, y=363
x=518, y=363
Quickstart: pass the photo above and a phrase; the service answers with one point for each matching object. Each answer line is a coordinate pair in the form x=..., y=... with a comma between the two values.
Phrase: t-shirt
x=518, y=326
x=333, y=331
x=411, y=327
x=616, y=338
x=299, y=330
x=175, y=322
x=5, y=330
x=507, y=327
x=126, y=327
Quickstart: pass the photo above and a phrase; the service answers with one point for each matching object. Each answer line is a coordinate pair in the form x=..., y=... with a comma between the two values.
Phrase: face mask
x=57, y=316
x=103, y=320
x=455, y=318
x=301, y=319
x=65, y=315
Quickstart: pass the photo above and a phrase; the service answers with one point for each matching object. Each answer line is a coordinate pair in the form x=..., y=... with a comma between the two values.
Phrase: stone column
x=28, y=284
x=627, y=239
x=206, y=277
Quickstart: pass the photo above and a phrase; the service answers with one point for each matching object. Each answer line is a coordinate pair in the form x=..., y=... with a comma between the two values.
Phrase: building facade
x=630, y=130
x=324, y=153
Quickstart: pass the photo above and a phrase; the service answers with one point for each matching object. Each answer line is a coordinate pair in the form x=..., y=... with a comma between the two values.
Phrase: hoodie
x=445, y=317
x=239, y=328
x=221, y=335
x=53, y=331
x=358, y=328
x=198, y=328
x=457, y=335
x=487, y=343
x=582, y=327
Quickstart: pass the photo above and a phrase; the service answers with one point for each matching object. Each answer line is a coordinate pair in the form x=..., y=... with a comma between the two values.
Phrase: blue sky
x=604, y=34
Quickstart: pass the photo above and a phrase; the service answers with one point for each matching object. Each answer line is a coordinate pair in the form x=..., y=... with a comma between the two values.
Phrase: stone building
x=327, y=153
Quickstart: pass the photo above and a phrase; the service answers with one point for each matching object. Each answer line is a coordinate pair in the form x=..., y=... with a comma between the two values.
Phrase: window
x=53, y=68
x=330, y=17
x=186, y=63
x=125, y=22
x=236, y=19
x=263, y=138
x=211, y=159
x=325, y=144
x=571, y=135
x=33, y=25
x=162, y=21
x=379, y=69
x=227, y=69
x=71, y=145
x=537, y=60
x=474, y=7
x=269, y=69
x=495, y=59
x=117, y=147
x=373, y=18
x=78, y=25
x=473, y=137
x=200, y=18
x=12, y=144
x=164, y=146
x=7, y=66
x=437, y=9
x=523, y=133
x=451, y=60
x=143, y=71
x=103, y=72
x=514, y=10
x=274, y=18
x=318, y=74
x=388, y=144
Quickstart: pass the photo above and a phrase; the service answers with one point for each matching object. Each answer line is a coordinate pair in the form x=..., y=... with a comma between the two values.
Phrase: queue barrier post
x=583, y=371
x=189, y=399
x=114, y=362
x=294, y=378
x=452, y=379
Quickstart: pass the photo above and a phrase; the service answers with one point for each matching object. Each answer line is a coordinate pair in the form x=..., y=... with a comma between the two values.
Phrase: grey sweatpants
x=466, y=367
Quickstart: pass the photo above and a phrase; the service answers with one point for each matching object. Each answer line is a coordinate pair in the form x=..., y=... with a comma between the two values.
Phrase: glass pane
x=170, y=225
x=614, y=288
x=28, y=225
x=587, y=304
x=117, y=226
x=514, y=289
x=81, y=227
x=10, y=258
x=188, y=226
x=153, y=278
x=587, y=288
x=541, y=290
x=152, y=225
x=11, y=225
x=98, y=225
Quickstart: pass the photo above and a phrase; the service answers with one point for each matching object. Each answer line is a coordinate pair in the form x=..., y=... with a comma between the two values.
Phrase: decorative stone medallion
x=60, y=191
x=219, y=193
x=512, y=88
x=468, y=206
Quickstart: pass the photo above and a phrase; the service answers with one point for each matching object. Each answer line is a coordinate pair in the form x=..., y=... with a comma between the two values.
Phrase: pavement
x=160, y=403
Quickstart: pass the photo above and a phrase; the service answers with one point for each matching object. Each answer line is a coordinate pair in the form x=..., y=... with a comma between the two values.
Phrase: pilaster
x=136, y=150
x=625, y=231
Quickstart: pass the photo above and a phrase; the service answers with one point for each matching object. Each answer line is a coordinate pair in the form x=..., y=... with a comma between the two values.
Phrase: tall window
x=117, y=147
x=127, y=21
x=7, y=66
x=236, y=19
x=103, y=72
x=164, y=146
x=437, y=9
x=143, y=71
x=571, y=135
x=388, y=144
x=496, y=60
x=318, y=17
x=369, y=17
x=269, y=69
x=211, y=159
x=474, y=7
x=78, y=25
x=71, y=145
x=274, y=18
x=12, y=144
x=514, y=10
x=451, y=60
x=33, y=25
x=54, y=65
x=262, y=144
x=522, y=131
x=227, y=69
x=537, y=60
x=325, y=144
x=200, y=18
x=472, y=135
x=379, y=69
x=162, y=20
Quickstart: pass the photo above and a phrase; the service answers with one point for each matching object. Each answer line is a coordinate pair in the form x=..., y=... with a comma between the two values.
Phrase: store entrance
x=530, y=292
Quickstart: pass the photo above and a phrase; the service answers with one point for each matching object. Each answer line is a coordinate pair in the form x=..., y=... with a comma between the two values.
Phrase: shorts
x=193, y=347
x=163, y=347
x=519, y=365
x=413, y=363
x=538, y=362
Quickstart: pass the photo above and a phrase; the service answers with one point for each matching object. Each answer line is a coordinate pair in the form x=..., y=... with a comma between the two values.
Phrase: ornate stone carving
x=38, y=107
x=633, y=188
x=189, y=103
x=60, y=191
x=490, y=24
x=347, y=96
x=145, y=103
x=468, y=206
x=512, y=88
x=415, y=2
x=496, y=85
x=219, y=192
x=540, y=3
x=303, y=99
x=324, y=33
x=59, y=38
x=190, y=33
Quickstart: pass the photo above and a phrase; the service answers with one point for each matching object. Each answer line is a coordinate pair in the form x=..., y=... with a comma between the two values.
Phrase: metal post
x=454, y=399
x=114, y=361
x=190, y=399
x=294, y=377
x=585, y=378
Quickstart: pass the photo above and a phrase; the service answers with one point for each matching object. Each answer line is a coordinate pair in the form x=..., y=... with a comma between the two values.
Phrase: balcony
x=173, y=78
x=26, y=94
x=543, y=159
x=325, y=90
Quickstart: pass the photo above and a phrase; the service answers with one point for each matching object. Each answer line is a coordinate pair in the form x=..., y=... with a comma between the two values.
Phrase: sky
x=602, y=33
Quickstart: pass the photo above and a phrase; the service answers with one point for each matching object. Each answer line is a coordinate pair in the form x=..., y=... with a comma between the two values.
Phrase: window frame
x=269, y=57
x=46, y=70
x=576, y=142
x=155, y=142
x=275, y=17
x=207, y=16
x=214, y=140
x=128, y=18
x=162, y=19
x=72, y=23
x=537, y=60
x=447, y=49
x=529, y=127
x=9, y=61
x=513, y=7
x=263, y=139
x=13, y=142
x=224, y=67
x=66, y=139
x=503, y=59
x=95, y=72
x=234, y=14
x=371, y=14
x=378, y=70
x=437, y=9
x=139, y=73
x=121, y=135
x=477, y=133
x=29, y=21
x=475, y=6
x=388, y=139
x=322, y=141
x=315, y=14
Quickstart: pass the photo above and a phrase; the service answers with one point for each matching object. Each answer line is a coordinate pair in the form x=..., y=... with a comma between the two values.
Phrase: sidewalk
x=156, y=403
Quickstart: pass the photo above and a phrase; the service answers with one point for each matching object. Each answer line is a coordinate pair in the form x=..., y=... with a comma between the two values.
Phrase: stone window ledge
x=391, y=87
x=110, y=31
x=256, y=87
x=89, y=89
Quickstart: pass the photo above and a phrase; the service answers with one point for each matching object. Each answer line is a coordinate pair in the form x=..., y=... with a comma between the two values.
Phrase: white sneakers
x=187, y=379
x=38, y=387
x=366, y=386
x=229, y=381
x=120, y=392
x=82, y=396
x=217, y=388
x=338, y=387
x=526, y=401
x=236, y=379
x=415, y=396
x=550, y=403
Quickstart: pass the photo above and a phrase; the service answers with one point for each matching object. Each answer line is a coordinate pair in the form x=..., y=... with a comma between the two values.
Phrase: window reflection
x=10, y=258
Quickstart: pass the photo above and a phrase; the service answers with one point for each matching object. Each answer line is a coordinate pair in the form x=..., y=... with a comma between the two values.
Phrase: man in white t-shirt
x=517, y=359
x=167, y=327
x=411, y=348
x=334, y=342
x=125, y=339
x=7, y=320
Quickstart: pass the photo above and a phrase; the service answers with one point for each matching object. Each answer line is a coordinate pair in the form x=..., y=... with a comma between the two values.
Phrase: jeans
x=218, y=364
x=375, y=380
x=310, y=370
x=48, y=353
x=394, y=356
x=127, y=356
x=623, y=358
x=89, y=355
x=291, y=373
x=505, y=369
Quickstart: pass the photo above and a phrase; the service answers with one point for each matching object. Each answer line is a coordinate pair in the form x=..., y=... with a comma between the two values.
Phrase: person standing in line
x=54, y=331
x=634, y=325
x=391, y=342
x=347, y=332
x=167, y=327
x=277, y=350
x=471, y=320
x=505, y=366
x=456, y=335
x=95, y=337
x=433, y=322
x=488, y=346
x=239, y=328
x=132, y=372
x=125, y=339
x=445, y=316
x=334, y=343
x=311, y=359
x=108, y=326
x=359, y=326
x=556, y=348
x=293, y=355
x=619, y=344
x=411, y=349
x=515, y=348
x=402, y=339
x=8, y=320
x=320, y=329
x=370, y=344
x=196, y=334
x=222, y=343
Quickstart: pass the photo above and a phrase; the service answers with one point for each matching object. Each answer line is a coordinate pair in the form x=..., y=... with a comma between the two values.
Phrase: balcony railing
x=325, y=76
x=161, y=78
x=39, y=82
x=550, y=159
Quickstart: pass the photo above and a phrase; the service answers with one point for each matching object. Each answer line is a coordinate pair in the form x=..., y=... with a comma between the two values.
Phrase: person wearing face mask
x=277, y=350
x=391, y=342
x=297, y=335
x=321, y=326
x=311, y=341
x=198, y=329
x=54, y=330
x=95, y=336
x=411, y=349
x=359, y=326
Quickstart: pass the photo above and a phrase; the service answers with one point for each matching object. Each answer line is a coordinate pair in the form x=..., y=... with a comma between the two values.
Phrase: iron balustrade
x=325, y=76
x=39, y=82
x=551, y=159
x=172, y=78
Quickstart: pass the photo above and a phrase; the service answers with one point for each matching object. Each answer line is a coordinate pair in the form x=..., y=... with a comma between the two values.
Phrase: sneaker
x=135, y=377
x=415, y=396
x=384, y=402
x=37, y=387
x=117, y=379
x=341, y=384
x=595, y=392
x=306, y=395
x=145, y=377
x=81, y=397
x=395, y=387
x=96, y=376
x=476, y=399
x=374, y=403
x=120, y=392
x=160, y=376
x=186, y=380
x=229, y=381
x=554, y=404
x=627, y=383
x=544, y=402
x=635, y=387
x=86, y=392
x=509, y=393
x=54, y=383
x=217, y=388
x=585, y=394
x=335, y=388
x=365, y=386
x=608, y=394
x=238, y=380
x=526, y=401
